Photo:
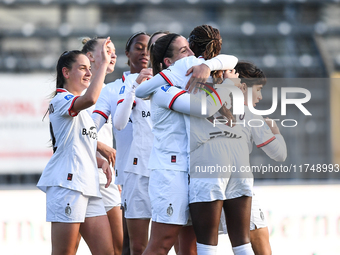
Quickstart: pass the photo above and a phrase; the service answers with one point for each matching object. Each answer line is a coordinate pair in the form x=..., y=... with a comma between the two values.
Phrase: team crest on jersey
x=68, y=97
x=135, y=161
x=170, y=210
x=122, y=89
x=165, y=88
x=68, y=210
x=261, y=215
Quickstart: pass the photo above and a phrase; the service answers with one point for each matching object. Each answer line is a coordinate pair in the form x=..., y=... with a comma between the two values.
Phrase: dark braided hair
x=250, y=74
x=206, y=41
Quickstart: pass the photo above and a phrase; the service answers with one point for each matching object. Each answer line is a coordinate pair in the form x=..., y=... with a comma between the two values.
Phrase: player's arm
x=107, y=152
x=105, y=166
x=200, y=73
x=148, y=87
x=181, y=101
x=275, y=147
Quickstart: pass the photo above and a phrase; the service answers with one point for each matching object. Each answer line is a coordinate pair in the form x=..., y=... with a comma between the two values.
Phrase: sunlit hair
x=154, y=34
x=250, y=74
x=89, y=44
x=162, y=48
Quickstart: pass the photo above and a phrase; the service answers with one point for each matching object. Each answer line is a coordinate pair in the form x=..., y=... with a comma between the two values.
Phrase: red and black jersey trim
x=166, y=78
x=121, y=100
x=70, y=112
x=267, y=142
x=175, y=97
x=123, y=78
x=101, y=113
x=61, y=90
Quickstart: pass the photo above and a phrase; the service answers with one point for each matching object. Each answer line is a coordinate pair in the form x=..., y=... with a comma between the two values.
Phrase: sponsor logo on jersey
x=69, y=177
x=169, y=210
x=173, y=158
x=92, y=133
x=122, y=89
x=145, y=114
x=68, y=97
x=165, y=88
x=135, y=161
x=68, y=210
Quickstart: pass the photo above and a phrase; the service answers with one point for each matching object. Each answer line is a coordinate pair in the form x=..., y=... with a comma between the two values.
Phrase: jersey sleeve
x=261, y=135
x=102, y=109
x=175, y=74
x=65, y=104
x=149, y=87
x=181, y=101
x=125, y=103
x=277, y=149
x=221, y=62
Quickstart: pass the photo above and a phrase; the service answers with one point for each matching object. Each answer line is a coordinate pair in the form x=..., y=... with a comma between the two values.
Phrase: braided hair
x=206, y=41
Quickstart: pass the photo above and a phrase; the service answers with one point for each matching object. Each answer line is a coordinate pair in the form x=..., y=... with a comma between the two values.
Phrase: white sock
x=205, y=249
x=244, y=249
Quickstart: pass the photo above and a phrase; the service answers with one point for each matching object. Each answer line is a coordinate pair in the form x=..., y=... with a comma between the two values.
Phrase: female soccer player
x=70, y=179
x=267, y=137
x=168, y=188
x=111, y=195
x=138, y=58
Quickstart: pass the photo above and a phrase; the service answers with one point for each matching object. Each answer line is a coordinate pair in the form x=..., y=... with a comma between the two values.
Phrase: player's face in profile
x=80, y=74
x=257, y=95
x=181, y=49
x=138, y=54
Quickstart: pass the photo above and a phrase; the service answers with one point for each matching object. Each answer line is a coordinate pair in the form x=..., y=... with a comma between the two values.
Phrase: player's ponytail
x=65, y=60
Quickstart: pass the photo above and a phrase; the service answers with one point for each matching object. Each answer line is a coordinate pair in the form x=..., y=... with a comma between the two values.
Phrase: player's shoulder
x=184, y=63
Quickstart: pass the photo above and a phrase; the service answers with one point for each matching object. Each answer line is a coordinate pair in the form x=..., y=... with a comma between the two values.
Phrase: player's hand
x=145, y=74
x=200, y=74
x=107, y=152
x=273, y=126
x=107, y=171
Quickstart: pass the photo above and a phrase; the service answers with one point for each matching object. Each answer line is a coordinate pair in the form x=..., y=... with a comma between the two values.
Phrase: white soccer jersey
x=137, y=160
x=199, y=129
x=74, y=137
x=170, y=138
x=105, y=107
x=255, y=129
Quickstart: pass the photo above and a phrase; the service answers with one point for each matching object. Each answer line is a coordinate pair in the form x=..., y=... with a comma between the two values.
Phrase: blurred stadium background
x=295, y=42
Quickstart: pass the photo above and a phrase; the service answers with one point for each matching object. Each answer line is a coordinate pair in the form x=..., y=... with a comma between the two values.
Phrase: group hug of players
x=172, y=112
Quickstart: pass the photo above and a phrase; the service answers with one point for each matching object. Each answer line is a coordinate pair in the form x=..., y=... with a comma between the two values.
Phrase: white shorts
x=135, y=196
x=257, y=219
x=111, y=196
x=168, y=192
x=70, y=206
x=227, y=158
